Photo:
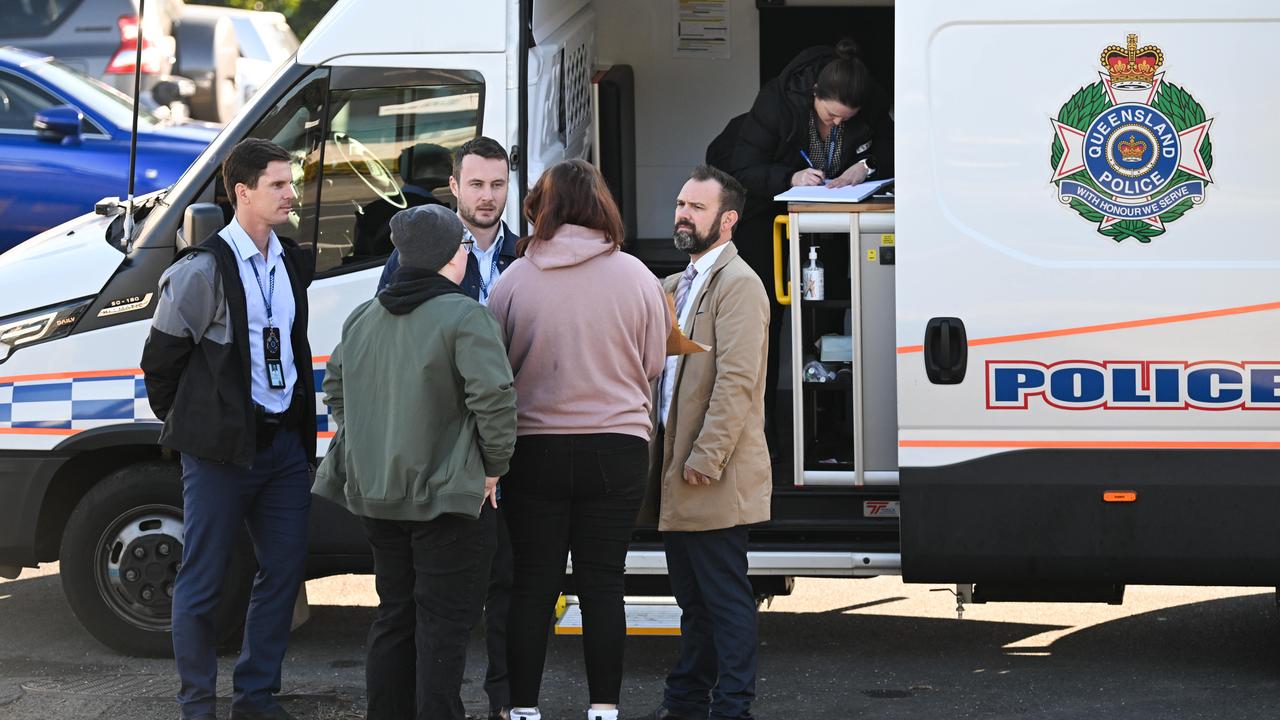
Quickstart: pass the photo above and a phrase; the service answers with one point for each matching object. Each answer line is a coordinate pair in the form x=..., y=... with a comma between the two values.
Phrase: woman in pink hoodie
x=585, y=326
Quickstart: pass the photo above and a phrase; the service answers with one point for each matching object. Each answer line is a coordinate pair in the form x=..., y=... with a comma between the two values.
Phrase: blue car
x=64, y=145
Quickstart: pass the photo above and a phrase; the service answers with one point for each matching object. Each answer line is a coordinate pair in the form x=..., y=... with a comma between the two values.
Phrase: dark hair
x=484, y=147
x=572, y=192
x=845, y=79
x=247, y=161
x=732, y=195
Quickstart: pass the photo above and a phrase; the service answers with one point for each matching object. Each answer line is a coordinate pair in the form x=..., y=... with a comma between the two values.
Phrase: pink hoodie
x=586, y=332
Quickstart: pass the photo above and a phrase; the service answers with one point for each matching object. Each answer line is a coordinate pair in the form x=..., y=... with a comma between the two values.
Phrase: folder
x=677, y=343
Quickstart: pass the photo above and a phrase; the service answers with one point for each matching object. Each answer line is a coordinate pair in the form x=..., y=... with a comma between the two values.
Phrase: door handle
x=946, y=351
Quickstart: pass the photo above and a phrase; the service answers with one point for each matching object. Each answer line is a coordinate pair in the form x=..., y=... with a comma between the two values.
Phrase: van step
x=645, y=616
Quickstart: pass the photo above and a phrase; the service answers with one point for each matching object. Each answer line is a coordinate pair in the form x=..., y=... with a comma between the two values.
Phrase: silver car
x=98, y=37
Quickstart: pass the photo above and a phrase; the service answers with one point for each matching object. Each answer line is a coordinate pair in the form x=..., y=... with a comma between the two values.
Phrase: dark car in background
x=64, y=144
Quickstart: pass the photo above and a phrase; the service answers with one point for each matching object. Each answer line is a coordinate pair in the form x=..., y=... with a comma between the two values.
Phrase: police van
x=1063, y=374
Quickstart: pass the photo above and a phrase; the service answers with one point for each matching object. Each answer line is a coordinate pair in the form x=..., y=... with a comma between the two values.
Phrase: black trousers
x=496, y=606
x=431, y=579
x=717, y=667
x=563, y=493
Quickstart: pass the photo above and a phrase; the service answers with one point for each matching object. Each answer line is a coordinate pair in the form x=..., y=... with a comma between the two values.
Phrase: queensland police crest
x=1131, y=152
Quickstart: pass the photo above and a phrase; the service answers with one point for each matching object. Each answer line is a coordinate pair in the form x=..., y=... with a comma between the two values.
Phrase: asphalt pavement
x=834, y=649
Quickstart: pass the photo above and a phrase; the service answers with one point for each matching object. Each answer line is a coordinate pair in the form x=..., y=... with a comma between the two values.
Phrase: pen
x=805, y=155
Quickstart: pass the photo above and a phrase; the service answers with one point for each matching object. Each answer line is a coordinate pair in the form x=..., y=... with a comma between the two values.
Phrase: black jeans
x=431, y=579
x=579, y=493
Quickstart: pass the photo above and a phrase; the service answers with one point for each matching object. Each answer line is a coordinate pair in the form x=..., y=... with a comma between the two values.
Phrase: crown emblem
x=1132, y=67
x=1131, y=150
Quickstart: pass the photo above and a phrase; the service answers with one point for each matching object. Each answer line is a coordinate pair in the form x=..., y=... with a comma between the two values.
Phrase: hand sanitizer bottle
x=814, y=285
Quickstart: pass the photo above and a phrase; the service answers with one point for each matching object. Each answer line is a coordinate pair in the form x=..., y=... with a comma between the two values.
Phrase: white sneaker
x=602, y=714
x=525, y=714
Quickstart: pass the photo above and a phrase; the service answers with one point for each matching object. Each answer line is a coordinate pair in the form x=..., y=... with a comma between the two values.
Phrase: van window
x=294, y=124
x=387, y=149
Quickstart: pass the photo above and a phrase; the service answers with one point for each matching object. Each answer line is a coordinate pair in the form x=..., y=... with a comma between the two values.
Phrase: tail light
x=126, y=55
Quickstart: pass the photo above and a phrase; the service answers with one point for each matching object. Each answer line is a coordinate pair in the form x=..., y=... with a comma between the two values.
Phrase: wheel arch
x=92, y=455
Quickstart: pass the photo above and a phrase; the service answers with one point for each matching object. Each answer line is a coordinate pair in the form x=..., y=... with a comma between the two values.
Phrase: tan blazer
x=716, y=420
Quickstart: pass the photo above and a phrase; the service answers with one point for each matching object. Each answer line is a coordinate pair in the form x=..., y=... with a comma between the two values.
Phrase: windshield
x=112, y=104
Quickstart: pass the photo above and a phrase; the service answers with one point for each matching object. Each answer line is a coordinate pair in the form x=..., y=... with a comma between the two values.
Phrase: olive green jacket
x=425, y=407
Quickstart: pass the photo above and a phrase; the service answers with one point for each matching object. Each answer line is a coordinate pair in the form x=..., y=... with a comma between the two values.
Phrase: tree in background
x=301, y=14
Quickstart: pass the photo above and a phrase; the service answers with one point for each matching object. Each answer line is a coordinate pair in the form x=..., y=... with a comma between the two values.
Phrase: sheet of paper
x=701, y=29
x=822, y=193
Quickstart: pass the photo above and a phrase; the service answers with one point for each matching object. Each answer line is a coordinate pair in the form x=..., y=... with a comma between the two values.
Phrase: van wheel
x=120, y=554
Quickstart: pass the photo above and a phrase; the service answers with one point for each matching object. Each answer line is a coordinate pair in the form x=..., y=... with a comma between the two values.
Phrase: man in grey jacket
x=424, y=401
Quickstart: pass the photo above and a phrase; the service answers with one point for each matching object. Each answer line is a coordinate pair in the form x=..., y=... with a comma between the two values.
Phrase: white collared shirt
x=703, y=266
x=282, y=312
x=485, y=260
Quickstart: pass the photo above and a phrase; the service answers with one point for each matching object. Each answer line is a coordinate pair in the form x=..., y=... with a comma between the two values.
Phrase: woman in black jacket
x=826, y=105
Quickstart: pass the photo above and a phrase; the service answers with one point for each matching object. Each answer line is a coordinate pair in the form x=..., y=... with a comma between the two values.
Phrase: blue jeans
x=272, y=499
x=717, y=666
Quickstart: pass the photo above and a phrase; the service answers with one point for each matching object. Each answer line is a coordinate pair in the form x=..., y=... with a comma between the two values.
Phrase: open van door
x=1086, y=374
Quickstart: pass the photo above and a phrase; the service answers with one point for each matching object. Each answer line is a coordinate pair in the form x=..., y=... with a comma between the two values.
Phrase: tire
x=119, y=556
x=207, y=52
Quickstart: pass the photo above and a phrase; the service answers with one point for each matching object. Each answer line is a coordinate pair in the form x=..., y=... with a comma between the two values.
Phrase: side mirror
x=60, y=124
x=199, y=221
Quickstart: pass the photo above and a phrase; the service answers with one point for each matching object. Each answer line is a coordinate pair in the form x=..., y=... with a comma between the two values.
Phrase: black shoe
x=493, y=715
x=276, y=713
x=662, y=713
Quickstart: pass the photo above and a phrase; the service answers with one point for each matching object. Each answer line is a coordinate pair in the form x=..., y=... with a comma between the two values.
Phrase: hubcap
x=137, y=563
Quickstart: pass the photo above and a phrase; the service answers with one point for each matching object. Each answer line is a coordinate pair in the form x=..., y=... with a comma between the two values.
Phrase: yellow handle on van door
x=780, y=231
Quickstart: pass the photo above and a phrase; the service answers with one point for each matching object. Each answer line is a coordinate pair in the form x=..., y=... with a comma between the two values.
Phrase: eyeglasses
x=468, y=243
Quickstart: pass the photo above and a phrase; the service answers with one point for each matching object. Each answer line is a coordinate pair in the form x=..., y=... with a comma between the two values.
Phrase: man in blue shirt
x=479, y=182
x=228, y=369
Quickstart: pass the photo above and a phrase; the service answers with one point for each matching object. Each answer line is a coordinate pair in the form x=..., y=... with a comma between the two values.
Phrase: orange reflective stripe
x=1107, y=327
x=71, y=375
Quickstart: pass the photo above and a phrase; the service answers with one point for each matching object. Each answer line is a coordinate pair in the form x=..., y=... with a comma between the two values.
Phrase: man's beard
x=688, y=239
x=469, y=215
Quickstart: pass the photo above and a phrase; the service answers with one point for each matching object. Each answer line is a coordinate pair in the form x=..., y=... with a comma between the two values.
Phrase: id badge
x=271, y=351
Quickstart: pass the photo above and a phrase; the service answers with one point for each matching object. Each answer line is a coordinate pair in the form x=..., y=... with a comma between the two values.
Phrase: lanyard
x=493, y=272
x=268, y=294
x=832, y=138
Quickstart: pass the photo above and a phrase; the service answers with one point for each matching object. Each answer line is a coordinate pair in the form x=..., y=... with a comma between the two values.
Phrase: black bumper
x=1201, y=517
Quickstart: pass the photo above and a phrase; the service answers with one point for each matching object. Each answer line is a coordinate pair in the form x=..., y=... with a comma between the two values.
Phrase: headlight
x=40, y=325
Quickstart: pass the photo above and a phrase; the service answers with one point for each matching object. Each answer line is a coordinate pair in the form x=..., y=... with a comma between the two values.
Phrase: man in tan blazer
x=715, y=477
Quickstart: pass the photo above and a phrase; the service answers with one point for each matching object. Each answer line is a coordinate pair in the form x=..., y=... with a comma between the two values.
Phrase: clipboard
x=677, y=342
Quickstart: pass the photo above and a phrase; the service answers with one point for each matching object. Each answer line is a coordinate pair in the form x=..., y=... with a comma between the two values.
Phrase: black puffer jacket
x=762, y=148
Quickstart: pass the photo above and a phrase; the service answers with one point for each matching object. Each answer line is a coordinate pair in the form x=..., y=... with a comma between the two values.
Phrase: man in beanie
x=425, y=407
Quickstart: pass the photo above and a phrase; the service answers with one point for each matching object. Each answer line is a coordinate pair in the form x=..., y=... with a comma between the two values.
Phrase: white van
x=1061, y=370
